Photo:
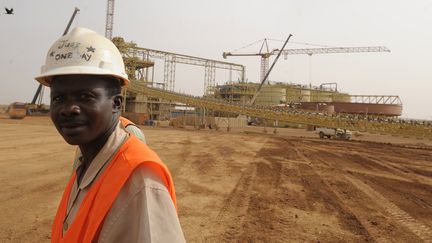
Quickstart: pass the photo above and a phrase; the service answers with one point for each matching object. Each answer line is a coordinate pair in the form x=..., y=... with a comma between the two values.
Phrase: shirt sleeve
x=143, y=212
x=137, y=132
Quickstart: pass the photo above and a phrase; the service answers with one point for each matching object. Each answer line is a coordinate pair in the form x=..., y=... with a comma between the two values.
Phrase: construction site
x=246, y=157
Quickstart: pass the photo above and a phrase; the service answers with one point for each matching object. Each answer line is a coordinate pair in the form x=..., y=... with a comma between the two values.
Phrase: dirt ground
x=242, y=186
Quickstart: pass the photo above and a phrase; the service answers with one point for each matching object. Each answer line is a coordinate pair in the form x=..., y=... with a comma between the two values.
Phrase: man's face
x=81, y=108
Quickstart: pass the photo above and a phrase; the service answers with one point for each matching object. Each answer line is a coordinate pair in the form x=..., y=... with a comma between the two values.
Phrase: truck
x=333, y=133
x=17, y=110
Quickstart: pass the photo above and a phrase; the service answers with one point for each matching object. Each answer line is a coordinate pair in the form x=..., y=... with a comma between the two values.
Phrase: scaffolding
x=130, y=50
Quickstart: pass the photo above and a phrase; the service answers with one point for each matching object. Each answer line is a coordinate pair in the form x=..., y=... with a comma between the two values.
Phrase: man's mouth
x=72, y=128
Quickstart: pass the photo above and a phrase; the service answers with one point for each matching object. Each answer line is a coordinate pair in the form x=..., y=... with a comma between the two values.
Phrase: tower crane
x=109, y=19
x=265, y=53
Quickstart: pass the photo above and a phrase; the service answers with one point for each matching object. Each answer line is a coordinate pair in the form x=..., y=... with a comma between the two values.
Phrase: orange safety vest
x=104, y=191
x=125, y=122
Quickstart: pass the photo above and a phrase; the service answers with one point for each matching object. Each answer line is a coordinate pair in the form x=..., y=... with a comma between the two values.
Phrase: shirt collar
x=115, y=140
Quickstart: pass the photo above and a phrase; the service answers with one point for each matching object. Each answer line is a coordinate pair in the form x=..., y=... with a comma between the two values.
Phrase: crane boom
x=330, y=50
x=309, y=51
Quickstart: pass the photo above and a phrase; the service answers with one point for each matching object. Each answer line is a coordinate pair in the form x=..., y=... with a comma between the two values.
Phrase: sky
x=208, y=28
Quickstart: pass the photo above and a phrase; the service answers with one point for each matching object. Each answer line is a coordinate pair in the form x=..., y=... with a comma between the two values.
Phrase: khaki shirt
x=132, y=129
x=143, y=210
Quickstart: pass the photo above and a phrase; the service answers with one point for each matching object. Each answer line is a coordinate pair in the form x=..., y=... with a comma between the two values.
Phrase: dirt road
x=239, y=187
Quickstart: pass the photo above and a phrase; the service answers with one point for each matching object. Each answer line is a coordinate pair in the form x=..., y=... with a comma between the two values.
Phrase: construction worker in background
x=120, y=191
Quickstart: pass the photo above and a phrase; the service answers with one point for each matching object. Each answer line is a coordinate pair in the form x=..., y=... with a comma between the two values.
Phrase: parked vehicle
x=17, y=110
x=333, y=133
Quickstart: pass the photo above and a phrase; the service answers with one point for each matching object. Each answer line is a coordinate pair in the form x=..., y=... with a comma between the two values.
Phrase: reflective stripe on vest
x=103, y=192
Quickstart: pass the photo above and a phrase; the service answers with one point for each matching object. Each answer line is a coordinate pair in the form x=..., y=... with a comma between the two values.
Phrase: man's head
x=85, y=107
x=85, y=72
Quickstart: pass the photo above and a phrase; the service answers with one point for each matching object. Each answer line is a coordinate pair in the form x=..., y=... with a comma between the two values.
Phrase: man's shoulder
x=136, y=150
x=148, y=168
x=144, y=177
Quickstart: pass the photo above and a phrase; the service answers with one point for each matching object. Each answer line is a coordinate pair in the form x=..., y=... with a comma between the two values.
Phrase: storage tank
x=292, y=94
x=321, y=96
x=305, y=95
x=271, y=95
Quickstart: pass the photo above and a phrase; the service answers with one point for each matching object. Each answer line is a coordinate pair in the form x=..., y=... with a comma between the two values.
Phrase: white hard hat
x=83, y=51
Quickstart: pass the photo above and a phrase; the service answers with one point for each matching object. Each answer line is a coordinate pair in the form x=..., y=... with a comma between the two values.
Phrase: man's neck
x=90, y=150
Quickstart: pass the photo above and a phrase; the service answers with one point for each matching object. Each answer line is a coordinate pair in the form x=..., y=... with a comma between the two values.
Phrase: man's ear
x=117, y=103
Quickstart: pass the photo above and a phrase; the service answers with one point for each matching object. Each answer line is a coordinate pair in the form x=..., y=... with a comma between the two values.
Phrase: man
x=120, y=191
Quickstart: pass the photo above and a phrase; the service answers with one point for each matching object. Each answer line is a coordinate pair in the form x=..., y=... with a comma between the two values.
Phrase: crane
x=109, y=19
x=268, y=72
x=265, y=53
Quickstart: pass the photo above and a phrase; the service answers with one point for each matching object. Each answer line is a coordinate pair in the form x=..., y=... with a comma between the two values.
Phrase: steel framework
x=130, y=51
x=376, y=99
x=209, y=78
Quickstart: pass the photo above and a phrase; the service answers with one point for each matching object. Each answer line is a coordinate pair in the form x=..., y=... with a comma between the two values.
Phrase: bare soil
x=242, y=186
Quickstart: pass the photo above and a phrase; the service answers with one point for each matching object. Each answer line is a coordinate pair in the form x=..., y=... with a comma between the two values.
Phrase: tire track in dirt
x=248, y=214
x=312, y=178
x=400, y=216
x=367, y=210
x=263, y=220
x=382, y=164
x=231, y=216
x=229, y=221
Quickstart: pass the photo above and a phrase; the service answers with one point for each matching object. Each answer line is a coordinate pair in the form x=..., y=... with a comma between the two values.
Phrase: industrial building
x=323, y=98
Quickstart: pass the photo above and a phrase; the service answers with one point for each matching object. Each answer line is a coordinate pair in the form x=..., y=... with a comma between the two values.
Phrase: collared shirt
x=143, y=210
x=132, y=129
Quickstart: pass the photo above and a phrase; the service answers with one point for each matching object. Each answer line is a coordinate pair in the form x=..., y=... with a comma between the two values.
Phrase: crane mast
x=268, y=72
x=109, y=19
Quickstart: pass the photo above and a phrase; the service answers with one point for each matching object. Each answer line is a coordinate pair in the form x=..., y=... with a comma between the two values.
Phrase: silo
x=305, y=95
x=321, y=96
x=271, y=95
x=292, y=94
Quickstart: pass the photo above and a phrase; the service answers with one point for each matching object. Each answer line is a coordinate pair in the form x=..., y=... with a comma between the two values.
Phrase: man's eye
x=85, y=96
x=56, y=99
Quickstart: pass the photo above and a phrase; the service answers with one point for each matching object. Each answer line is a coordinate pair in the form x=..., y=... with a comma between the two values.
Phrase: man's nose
x=70, y=109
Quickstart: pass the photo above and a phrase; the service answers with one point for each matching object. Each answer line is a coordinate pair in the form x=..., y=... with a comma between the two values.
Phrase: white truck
x=333, y=133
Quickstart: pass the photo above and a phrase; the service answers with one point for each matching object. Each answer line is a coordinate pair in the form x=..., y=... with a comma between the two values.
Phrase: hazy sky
x=208, y=28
